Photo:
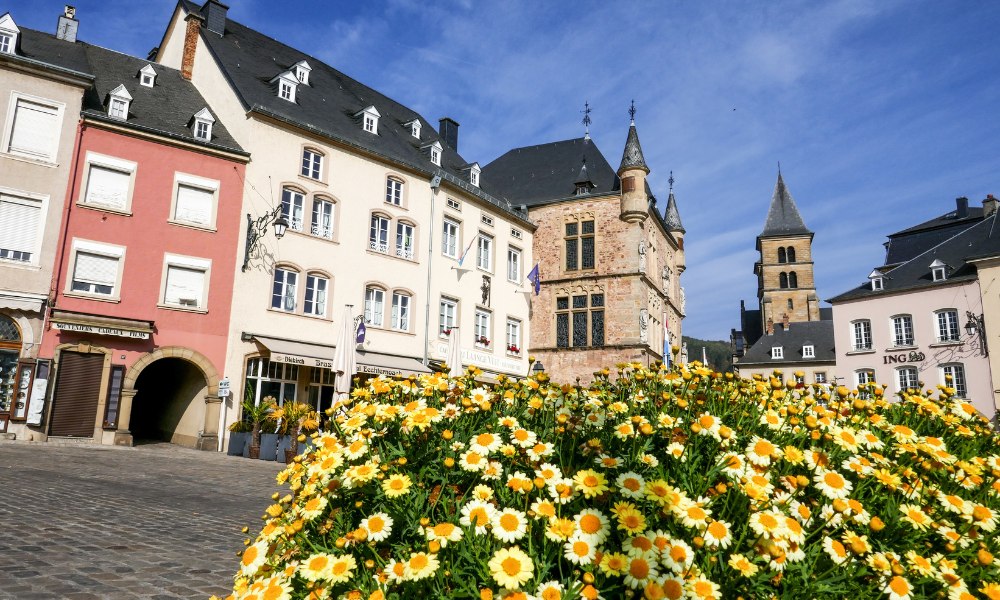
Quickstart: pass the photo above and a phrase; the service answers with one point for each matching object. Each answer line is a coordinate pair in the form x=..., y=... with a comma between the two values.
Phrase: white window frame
x=312, y=164
x=406, y=240
x=415, y=128
x=474, y=175
x=401, y=310
x=31, y=200
x=434, y=151
x=111, y=163
x=876, y=284
x=863, y=376
x=486, y=220
x=8, y=41
x=293, y=202
x=301, y=71
x=192, y=263
x=375, y=306
x=261, y=370
x=101, y=249
x=938, y=274
x=118, y=108
x=202, y=183
x=450, y=237
x=513, y=336
x=958, y=378
x=777, y=352
x=819, y=377
x=947, y=318
x=394, y=188
x=808, y=351
x=484, y=252
x=323, y=206
x=202, y=126
x=513, y=264
x=378, y=236
x=289, y=280
x=901, y=326
x=57, y=109
x=447, y=316
x=861, y=335
x=515, y=233
x=454, y=204
x=369, y=119
x=286, y=90
x=147, y=76
x=482, y=328
x=902, y=386
x=311, y=305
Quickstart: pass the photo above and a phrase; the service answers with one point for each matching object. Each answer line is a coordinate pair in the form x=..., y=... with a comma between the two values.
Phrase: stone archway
x=203, y=433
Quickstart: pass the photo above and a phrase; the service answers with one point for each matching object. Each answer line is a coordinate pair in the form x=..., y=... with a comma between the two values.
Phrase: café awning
x=374, y=363
x=291, y=352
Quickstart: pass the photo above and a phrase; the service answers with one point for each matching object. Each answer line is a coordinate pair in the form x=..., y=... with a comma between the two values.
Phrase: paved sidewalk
x=153, y=522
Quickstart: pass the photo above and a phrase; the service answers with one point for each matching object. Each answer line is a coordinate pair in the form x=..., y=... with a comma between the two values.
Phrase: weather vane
x=586, y=115
x=631, y=112
x=671, y=182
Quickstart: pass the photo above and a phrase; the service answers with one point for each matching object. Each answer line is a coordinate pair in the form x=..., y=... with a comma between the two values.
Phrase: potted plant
x=513, y=349
x=483, y=341
x=296, y=418
x=239, y=436
x=254, y=414
x=269, y=437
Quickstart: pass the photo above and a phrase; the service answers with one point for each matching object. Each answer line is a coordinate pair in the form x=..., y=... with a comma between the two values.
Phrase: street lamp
x=976, y=326
x=257, y=229
x=537, y=368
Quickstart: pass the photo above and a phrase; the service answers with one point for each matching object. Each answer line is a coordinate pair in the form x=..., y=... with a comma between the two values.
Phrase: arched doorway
x=169, y=404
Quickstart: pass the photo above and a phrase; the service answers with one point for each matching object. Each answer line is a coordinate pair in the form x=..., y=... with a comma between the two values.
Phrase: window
x=781, y=255
x=147, y=76
x=902, y=330
x=513, y=336
x=434, y=151
x=369, y=119
x=877, y=283
x=513, y=264
x=6, y=43
x=118, y=108
x=374, y=306
x=186, y=281
x=195, y=200
x=415, y=128
x=265, y=378
x=378, y=235
x=576, y=335
x=203, y=121
x=322, y=218
x=302, y=70
x=819, y=377
x=447, y=312
x=790, y=304
x=808, y=351
x=20, y=221
x=939, y=270
x=316, y=294
x=401, y=311
x=482, y=329
x=96, y=269
x=312, y=164
x=862, y=378
x=783, y=280
x=404, y=241
x=370, y=124
x=793, y=280
x=109, y=182
x=286, y=90
x=484, y=255
x=321, y=389
x=486, y=220
x=862, y=334
x=114, y=396
x=454, y=204
x=906, y=379
x=34, y=130
x=947, y=326
x=474, y=175
x=579, y=245
x=515, y=233
x=292, y=202
x=283, y=291
x=394, y=191
x=449, y=239
x=777, y=352
x=628, y=184
x=954, y=376
x=790, y=254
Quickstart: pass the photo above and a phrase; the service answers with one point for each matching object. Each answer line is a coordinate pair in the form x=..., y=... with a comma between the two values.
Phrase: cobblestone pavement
x=154, y=522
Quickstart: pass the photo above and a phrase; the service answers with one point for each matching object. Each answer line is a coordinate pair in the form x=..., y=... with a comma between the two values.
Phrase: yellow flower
x=743, y=565
x=511, y=568
x=253, y=558
x=631, y=521
x=342, y=568
x=614, y=563
x=590, y=483
x=592, y=522
x=316, y=567
x=580, y=549
x=836, y=550
x=509, y=525
x=396, y=485
x=421, y=565
x=898, y=588
x=641, y=569
x=718, y=534
x=915, y=516
x=832, y=484
x=478, y=515
x=378, y=526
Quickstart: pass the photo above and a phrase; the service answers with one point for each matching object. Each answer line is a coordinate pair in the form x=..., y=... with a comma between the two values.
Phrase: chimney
x=784, y=322
x=769, y=330
x=194, y=21
x=448, y=129
x=68, y=25
x=989, y=205
x=962, y=207
x=215, y=16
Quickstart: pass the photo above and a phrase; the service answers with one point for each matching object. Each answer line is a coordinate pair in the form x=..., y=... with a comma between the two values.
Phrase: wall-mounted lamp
x=257, y=229
x=976, y=326
x=537, y=368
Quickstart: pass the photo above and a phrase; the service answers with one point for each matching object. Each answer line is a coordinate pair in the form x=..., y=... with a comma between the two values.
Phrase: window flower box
x=512, y=349
x=483, y=342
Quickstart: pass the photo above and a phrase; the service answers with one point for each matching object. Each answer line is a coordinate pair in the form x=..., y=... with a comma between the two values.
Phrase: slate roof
x=979, y=240
x=905, y=244
x=46, y=49
x=671, y=216
x=167, y=108
x=819, y=334
x=783, y=216
x=632, y=155
x=327, y=106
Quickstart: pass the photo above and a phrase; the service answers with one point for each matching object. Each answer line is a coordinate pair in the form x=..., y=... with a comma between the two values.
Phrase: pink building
x=909, y=326
x=144, y=273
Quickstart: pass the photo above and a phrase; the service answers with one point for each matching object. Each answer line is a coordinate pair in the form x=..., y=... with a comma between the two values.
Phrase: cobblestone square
x=151, y=522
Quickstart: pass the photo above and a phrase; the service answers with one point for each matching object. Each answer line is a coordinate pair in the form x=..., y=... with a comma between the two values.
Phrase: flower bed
x=661, y=484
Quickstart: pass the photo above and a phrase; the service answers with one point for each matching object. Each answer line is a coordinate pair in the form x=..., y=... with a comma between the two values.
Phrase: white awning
x=297, y=353
x=25, y=303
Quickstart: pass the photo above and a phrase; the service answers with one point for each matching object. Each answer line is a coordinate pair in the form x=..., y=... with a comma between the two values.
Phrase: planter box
x=284, y=443
x=269, y=446
x=238, y=442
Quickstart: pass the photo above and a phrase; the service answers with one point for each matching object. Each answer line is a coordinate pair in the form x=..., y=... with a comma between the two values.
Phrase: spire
x=586, y=121
x=671, y=215
x=632, y=157
x=783, y=217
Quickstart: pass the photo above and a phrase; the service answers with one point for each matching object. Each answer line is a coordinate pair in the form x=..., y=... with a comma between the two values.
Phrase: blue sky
x=880, y=113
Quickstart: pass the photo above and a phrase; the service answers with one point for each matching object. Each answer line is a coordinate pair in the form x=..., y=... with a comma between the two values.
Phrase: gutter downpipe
x=435, y=185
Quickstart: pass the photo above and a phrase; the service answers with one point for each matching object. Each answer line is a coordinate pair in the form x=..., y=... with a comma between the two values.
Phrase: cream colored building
x=381, y=208
x=42, y=80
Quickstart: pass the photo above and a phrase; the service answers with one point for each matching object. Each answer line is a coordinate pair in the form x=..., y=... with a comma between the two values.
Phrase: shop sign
x=224, y=387
x=304, y=361
x=486, y=360
x=903, y=357
x=101, y=330
x=372, y=370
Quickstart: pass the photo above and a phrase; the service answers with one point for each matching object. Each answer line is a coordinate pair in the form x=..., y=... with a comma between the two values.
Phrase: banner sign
x=101, y=330
x=304, y=361
x=486, y=360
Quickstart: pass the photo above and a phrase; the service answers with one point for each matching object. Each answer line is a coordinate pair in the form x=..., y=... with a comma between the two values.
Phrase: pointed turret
x=633, y=171
x=671, y=216
x=632, y=157
x=783, y=217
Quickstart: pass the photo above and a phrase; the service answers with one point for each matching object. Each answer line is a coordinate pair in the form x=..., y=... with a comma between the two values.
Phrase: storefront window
x=114, y=397
x=10, y=350
x=265, y=378
x=321, y=390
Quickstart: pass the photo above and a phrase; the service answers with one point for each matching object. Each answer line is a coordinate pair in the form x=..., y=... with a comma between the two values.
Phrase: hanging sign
x=224, y=387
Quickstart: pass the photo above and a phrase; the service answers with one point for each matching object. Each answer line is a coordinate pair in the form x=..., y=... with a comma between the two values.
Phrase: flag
x=466, y=253
x=667, y=356
x=360, y=338
x=536, y=279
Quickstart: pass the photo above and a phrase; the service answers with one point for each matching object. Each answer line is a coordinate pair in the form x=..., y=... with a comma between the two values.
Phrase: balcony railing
x=379, y=246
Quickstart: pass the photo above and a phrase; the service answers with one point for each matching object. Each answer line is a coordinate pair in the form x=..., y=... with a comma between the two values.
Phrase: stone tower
x=786, y=288
x=632, y=172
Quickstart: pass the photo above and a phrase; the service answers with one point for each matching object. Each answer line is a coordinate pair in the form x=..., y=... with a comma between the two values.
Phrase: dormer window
x=876, y=278
x=939, y=270
x=474, y=174
x=435, y=152
x=808, y=351
x=414, y=126
x=147, y=76
x=287, y=85
x=369, y=119
x=203, y=121
x=118, y=103
x=777, y=352
x=8, y=34
x=301, y=70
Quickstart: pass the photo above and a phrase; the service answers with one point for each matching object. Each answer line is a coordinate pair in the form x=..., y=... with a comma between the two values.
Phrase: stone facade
x=775, y=292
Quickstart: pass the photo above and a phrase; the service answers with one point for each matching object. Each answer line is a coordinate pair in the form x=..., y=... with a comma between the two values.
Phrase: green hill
x=719, y=354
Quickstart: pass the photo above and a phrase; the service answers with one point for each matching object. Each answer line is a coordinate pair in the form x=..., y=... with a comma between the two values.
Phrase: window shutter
x=34, y=130
x=194, y=205
x=185, y=287
x=19, y=224
x=107, y=187
x=96, y=269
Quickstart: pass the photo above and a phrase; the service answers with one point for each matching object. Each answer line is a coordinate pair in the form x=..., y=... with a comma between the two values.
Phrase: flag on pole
x=666, y=341
x=466, y=253
x=536, y=279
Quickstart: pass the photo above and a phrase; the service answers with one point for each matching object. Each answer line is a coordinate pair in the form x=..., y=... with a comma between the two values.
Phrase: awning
x=373, y=363
x=297, y=353
x=14, y=301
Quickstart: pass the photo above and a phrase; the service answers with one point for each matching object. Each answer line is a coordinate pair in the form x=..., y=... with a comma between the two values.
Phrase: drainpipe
x=435, y=185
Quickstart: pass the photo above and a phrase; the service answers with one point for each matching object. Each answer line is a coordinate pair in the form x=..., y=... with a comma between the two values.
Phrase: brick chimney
x=194, y=21
x=448, y=129
x=784, y=321
x=989, y=205
x=770, y=327
x=67, y=26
